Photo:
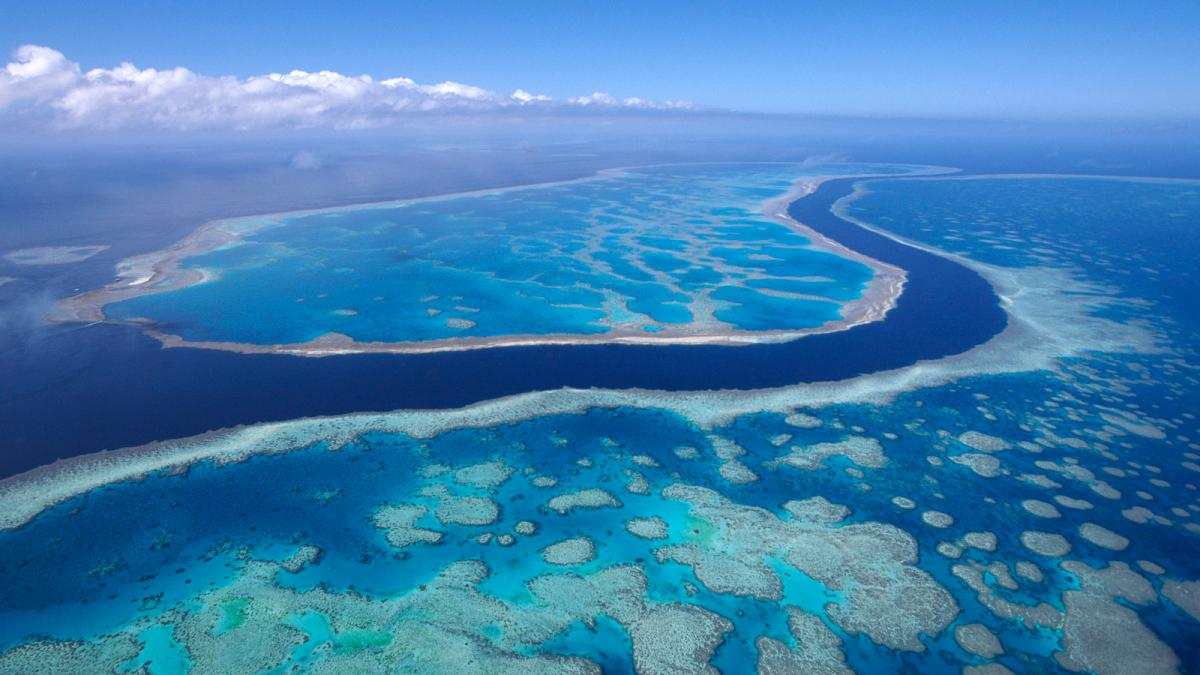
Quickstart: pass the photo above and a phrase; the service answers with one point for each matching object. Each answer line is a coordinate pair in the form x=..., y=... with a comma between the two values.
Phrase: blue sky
x=955, y=59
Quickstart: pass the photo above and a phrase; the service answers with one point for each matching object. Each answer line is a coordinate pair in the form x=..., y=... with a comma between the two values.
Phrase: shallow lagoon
x=668, y=251
x=226, y=557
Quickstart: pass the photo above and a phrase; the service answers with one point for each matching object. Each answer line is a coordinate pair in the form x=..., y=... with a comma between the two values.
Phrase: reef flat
x=1028, y=505
x=52, y=255
x=679, y=254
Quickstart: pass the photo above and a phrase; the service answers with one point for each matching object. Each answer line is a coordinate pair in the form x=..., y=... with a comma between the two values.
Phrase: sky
x=992, y=60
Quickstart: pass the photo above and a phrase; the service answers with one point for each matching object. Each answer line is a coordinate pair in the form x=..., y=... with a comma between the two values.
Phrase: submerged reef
x=676, y=254
x=1030, y=506
x=52, y=255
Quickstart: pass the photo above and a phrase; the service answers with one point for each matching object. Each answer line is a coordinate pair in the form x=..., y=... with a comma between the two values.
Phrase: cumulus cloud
x=41, y=87
x=523, y=96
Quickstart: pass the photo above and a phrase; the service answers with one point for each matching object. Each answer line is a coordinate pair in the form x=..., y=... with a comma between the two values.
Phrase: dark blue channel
x=108, y=386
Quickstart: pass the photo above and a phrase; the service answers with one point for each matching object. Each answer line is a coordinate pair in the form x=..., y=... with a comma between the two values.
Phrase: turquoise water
x=285, y=559
x=654, y=250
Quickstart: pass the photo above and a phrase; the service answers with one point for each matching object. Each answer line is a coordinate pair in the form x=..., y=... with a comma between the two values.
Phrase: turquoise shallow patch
x=758, y=312
x=160, y=653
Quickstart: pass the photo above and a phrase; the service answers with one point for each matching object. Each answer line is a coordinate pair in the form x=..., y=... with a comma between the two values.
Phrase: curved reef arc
x=163, y=271
x=1030, y=341
x=946, y=309
x=1044, y=322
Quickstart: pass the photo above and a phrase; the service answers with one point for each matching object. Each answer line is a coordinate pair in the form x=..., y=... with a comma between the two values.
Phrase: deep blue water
x=122, y=389
x=1122, y=243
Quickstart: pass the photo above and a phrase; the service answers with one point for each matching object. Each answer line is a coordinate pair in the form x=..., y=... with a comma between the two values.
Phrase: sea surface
x=1003, y=472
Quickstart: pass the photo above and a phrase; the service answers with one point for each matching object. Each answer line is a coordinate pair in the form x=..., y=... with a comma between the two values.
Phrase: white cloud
x=602, y=99
x=523, y=96
x=42, y=88
x=36, y=74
